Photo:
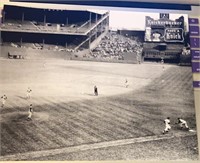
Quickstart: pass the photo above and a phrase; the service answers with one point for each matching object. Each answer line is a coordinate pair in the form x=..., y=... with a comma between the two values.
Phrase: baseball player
x=126, y=83
x=182, y=123
x=29, y=93
x=3, y=99
x=167, y=125
x=95, y=90
x=162, y=62
x=30, y=113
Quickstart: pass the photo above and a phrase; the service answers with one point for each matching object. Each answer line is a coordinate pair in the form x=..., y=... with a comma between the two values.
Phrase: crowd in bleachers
x=114, y=46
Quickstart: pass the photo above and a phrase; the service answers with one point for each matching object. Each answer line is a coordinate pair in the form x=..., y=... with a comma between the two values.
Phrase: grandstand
x=115, y=46
x=162, y=50
x=84, y=34
x=50, y=28
x=80, y=33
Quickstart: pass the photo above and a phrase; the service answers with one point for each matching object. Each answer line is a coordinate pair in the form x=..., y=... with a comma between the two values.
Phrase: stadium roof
x=55, y=7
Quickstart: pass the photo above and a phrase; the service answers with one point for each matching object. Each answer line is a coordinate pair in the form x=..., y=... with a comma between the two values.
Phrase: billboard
x=164, y=29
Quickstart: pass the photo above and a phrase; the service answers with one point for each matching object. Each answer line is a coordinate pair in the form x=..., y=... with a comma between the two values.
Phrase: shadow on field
x=135, y=114
x=22, y=97
x=88, y=94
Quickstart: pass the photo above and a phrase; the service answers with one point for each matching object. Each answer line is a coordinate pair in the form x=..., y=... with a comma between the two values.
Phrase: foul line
x=45, y=153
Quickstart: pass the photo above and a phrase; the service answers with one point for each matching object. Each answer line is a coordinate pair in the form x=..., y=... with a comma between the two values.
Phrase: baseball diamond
x=66, y=113
x=80, y=84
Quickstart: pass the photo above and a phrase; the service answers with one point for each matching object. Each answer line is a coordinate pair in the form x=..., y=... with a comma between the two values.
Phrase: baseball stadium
x=52, y=60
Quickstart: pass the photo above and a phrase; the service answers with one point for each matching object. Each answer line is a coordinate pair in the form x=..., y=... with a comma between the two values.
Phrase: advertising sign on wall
x=164, y=29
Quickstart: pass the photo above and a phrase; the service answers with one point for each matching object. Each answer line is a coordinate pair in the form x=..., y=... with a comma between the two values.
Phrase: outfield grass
x=67, y=114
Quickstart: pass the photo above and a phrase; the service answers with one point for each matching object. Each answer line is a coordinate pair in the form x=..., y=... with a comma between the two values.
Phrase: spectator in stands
x=114, y=44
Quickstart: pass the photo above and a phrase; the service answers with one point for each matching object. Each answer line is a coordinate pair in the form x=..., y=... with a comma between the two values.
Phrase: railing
x=29, y=26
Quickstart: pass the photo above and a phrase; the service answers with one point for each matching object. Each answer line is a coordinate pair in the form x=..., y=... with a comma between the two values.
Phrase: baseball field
x=67, y=114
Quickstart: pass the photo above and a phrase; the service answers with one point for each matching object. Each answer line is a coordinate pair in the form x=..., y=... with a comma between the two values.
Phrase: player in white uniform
x=126, y=83
x=167, y=125
x=182, y=123
x=29, y=93
x=30, y=113
x=162, y=62
x=3, y=99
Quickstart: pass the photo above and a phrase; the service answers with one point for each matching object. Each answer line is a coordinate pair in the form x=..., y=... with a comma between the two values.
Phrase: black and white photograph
x=95, y=84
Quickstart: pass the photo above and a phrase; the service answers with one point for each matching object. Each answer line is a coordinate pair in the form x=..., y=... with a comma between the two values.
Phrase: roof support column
x=22, y=17
x=90, y=19
x=45, y=20
x=43, y=42
x=66, y=21
x=89, y=41
x=96, y=28
x=3, y=16
x=21, y=42
x=101, y=24
x=66, y=45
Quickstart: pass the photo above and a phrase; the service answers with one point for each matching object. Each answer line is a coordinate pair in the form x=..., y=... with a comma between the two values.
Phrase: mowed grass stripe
x=123, y=112
x=77, y=107
x=102, y=122
x=8, y=145
x=107, y=119
x=137, y=111
x=44, y=135
x=80, y=135
x=50, y=129
x=117, y=125
x=130, y=127
x=133, y=112
x=117, y=121
x=53, y=134
x=95, y=137
x=131, y=121
x=16, y=142
x=94, y=118
x=65, y=132
x=87, y=133
x=113, y=126
x=92, y=129
x=30, y=144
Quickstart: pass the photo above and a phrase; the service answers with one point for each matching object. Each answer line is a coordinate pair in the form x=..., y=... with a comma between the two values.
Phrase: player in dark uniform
x=126, y=83
x=95, y=90
x=30, y=113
